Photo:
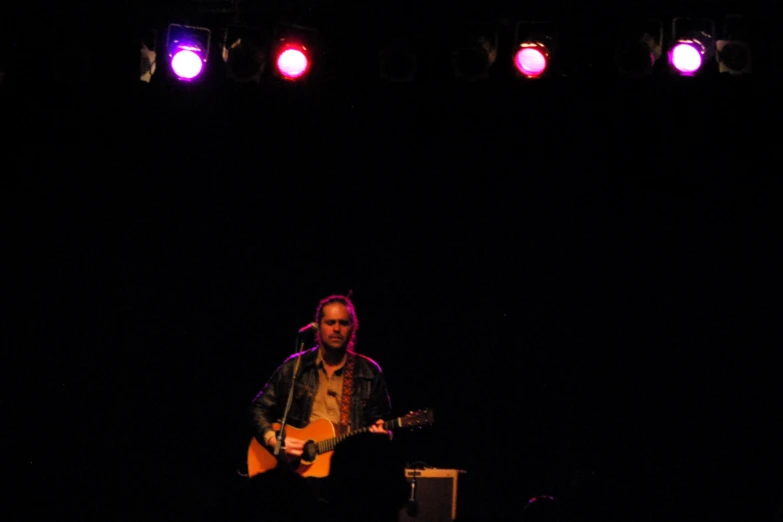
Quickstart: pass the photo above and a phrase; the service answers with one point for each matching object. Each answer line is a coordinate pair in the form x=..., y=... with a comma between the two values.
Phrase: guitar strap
x=345, y=406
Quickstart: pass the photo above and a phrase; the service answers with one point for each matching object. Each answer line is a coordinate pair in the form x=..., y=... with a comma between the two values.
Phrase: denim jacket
x=369, y=402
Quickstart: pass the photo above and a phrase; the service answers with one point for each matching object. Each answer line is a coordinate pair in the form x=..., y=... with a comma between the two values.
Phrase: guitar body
x=261, y=459
x=320, y=440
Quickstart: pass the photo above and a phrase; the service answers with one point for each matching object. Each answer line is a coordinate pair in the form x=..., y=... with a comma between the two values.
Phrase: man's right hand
x=292, y=446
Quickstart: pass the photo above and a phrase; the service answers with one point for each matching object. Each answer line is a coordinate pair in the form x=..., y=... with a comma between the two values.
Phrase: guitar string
x=330, y=444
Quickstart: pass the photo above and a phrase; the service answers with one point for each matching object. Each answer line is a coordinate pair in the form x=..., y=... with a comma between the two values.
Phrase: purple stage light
x=686, y=58
x=187, y=48
x=186, y=63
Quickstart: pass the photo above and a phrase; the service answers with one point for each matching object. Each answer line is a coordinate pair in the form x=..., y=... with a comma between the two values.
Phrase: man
x=332, y=382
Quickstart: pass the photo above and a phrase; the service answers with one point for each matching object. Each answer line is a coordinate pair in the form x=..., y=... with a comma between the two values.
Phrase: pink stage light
x=293, y=63
x=531, y=61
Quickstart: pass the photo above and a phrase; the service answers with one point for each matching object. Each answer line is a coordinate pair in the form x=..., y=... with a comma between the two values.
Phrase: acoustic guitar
x=321, y=440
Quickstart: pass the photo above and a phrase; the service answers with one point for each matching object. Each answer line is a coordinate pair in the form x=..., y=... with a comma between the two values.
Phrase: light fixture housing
x=187, y=48
x=692, y=46
x=639, y=47
x=474, y=50
x=294, y=52
x=733, y=48
x=398, y=60
x=148, y=55
x=244, y=51
x=535, y=45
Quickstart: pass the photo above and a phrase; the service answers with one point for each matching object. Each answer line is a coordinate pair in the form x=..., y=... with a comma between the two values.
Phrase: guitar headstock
x=423, y=417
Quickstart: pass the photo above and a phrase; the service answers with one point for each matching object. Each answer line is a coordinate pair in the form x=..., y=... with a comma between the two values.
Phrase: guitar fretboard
x=328, y=445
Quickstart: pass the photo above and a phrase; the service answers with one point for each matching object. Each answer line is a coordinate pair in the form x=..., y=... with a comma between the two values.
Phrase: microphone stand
x=281, y=432
x=413, y=504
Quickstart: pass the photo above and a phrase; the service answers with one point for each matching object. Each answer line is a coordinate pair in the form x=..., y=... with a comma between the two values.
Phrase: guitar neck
x=327, y=445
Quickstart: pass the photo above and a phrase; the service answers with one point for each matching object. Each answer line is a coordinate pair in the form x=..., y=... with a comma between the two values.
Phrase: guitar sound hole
x=309, y=452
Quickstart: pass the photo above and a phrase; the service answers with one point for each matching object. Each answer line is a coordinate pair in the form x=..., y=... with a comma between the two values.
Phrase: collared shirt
x=326, y=404
x=370, y=400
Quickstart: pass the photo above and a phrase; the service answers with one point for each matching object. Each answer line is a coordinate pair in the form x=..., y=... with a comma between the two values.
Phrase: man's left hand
x=379, y=428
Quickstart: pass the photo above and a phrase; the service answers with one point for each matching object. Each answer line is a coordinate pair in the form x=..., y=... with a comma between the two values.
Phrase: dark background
x=579, y=277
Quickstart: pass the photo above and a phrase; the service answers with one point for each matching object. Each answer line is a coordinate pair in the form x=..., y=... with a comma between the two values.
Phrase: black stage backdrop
x=578, y=277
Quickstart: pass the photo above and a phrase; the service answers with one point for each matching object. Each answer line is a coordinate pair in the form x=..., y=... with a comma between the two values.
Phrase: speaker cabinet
x=435, y=495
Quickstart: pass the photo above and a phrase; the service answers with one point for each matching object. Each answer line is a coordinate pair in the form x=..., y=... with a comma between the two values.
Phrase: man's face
x=336, y=326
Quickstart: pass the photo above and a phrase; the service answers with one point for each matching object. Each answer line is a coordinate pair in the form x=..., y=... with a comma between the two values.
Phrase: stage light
x=186, y=64
x=533, y=49
x=686, y=56
x=292, y=63
x=532, y=59
x=293, y=51
x=149, y=55
x=733, y=57
x=692, y=45
x=639, y=48
x=244, y=52
x=188, y=50
x=541, y=508
x=398, y=61
x=474, y=51
x=733, y=49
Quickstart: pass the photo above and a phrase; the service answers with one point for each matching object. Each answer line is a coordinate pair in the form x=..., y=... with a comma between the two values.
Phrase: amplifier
x=435, y=494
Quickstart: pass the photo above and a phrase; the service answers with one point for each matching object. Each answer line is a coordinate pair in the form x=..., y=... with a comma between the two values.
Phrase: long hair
x=346, y=301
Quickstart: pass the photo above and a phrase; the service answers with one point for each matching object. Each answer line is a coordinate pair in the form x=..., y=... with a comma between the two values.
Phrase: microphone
x=310, y=326
x=412, y=509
